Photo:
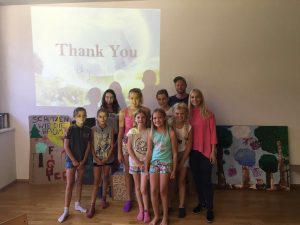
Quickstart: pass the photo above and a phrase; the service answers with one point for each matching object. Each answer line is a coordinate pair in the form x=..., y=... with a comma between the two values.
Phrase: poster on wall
x=47, y=155
x=252, y=157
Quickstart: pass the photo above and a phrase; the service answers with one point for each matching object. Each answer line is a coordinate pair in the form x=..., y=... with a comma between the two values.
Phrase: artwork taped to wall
x=47, y=155
x=252, y=157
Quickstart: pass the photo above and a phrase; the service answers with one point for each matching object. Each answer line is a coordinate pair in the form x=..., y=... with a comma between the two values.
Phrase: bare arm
x=212, y=156
x=149, y=153
x=121, y=134
x=69, y=152
x=110, y=151
x=187, y=150
x=174, y=153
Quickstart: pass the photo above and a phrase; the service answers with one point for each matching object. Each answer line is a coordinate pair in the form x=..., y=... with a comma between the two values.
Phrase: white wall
x=244, y=55
x=7, y=157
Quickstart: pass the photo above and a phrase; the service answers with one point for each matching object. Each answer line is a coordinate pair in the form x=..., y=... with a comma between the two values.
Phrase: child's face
x=109, y=98
x=158, y=119
x=162, y=100
x=102, y=118
x=195, y=98
x=180, y=115
x=80, y=118
x=140, y=119
x=134, y=99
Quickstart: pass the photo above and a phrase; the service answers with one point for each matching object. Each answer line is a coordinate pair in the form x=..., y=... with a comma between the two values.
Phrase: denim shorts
x=160, y=167
x=69, y=164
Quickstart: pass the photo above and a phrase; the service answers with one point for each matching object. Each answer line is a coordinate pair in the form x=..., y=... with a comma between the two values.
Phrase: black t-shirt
x=79, y=138
x=173, y=100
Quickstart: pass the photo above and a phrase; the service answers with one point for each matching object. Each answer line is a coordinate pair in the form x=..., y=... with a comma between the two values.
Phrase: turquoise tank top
x=162, y=148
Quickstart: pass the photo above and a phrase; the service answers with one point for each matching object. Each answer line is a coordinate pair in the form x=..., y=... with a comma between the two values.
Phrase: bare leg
x=181, y=186
x=106, y=171
x=164, y=186
x=154, y=185
x=128, y=179
x=79, y=178
x=70, y=173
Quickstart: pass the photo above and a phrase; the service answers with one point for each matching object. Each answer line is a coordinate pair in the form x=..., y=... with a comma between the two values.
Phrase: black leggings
x=202, y=171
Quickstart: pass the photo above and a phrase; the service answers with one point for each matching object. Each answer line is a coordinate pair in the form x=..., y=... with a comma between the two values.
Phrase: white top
x=182, y=136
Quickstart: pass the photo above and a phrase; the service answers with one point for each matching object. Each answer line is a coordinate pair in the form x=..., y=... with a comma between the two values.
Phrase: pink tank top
x=128, y=121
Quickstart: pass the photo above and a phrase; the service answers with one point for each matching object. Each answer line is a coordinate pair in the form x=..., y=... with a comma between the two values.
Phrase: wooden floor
x=44, y=203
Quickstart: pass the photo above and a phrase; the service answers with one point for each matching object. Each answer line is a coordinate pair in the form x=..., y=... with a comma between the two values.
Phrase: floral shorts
x=160, y=167
x=136, y=170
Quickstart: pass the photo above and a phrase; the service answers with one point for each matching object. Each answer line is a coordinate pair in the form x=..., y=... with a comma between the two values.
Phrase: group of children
x=158, y=148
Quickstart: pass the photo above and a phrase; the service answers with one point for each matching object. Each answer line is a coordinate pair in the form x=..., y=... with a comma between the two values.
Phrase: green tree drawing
x=224, y=141
x=35, y=133
x=269, y=164
x=274, y=139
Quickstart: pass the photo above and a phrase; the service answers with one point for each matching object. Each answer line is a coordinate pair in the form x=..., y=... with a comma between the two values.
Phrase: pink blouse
x=204, y=132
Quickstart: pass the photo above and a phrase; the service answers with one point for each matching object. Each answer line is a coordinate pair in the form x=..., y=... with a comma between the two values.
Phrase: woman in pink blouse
x=203, y=154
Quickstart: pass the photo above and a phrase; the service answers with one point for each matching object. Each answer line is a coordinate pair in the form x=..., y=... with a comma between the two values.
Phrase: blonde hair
x=184, y=107
x=203, y=109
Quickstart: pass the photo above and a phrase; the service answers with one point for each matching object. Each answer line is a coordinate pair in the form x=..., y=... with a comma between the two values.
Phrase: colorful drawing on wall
x=47, y=156
x=254, y=157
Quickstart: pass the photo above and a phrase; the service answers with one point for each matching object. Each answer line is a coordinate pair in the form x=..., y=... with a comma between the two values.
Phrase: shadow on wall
x=150, y=89
x=94, y=97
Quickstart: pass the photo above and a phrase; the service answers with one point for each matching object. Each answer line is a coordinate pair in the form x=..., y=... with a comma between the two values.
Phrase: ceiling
x=26, y=2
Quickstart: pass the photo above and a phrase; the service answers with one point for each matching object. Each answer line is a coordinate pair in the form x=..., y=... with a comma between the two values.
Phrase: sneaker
x=197, y=209
x=181, y=213
x=104, y=204
x=210, y=216
x=140, y=216
x=127, y=206
x=146, y=217
x=91, y=212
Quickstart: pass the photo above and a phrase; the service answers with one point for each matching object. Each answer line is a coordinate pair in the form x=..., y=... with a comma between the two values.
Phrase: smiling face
x=102, y=118
x=159, y=119
x=162, y=100
x=140, y=119
x=80, y=118
x=180, y=115
x=196, y=98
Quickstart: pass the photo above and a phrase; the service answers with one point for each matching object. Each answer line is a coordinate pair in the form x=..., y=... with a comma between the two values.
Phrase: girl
x=110, y=103
x=184, y=139
x=203, y=154
x=137, y=149
x=102, y=150
x=76, y=145
x=126, y=118
x=162, y=160
x=162, y=98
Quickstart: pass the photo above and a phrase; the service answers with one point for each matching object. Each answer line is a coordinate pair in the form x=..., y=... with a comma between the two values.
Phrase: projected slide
x=80, y=52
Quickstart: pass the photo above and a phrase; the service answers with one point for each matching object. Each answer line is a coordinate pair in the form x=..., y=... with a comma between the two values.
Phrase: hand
x=99, y=162
x=173, y=175
x=140, y=163
x=120, y=158
x=212, y=157
x=75, y=163
x=80, y=165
